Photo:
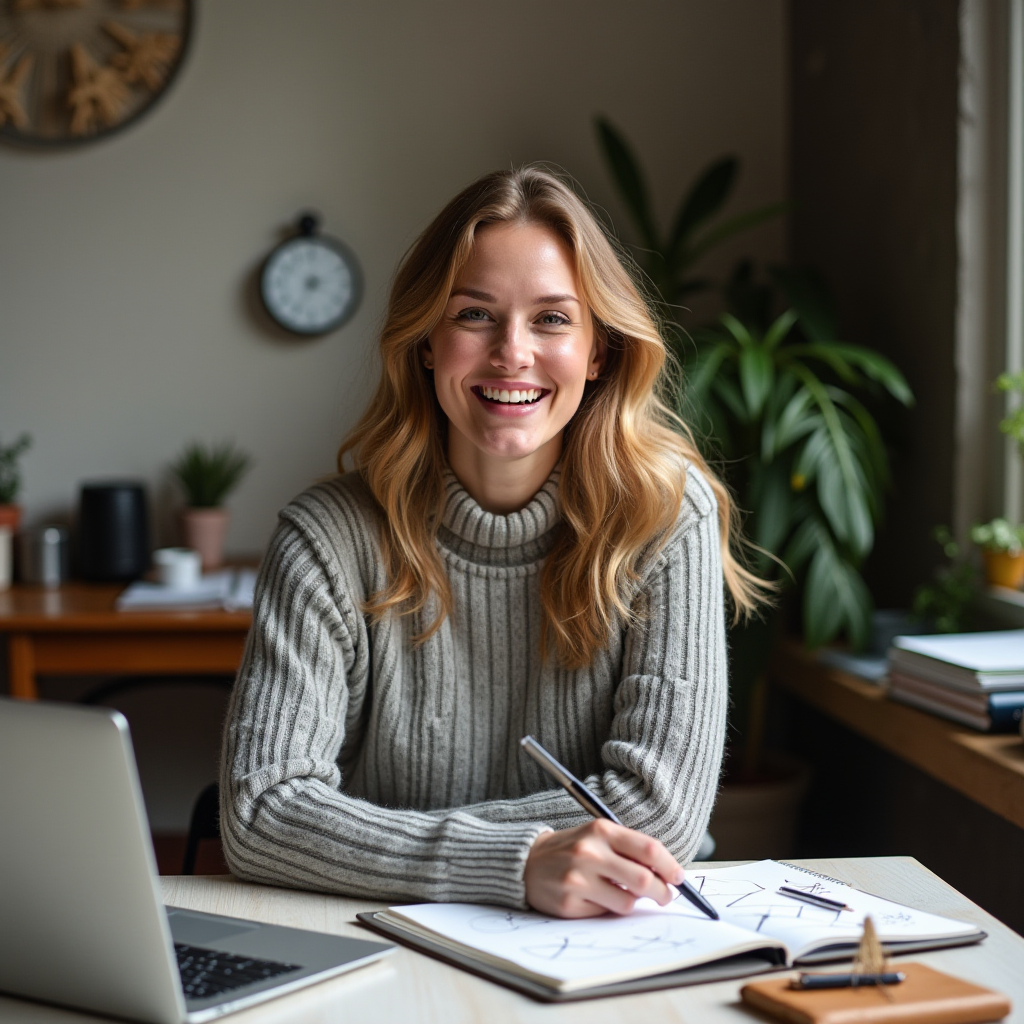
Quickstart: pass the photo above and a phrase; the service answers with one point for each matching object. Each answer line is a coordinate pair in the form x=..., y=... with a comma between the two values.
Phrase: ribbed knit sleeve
x=284, y=819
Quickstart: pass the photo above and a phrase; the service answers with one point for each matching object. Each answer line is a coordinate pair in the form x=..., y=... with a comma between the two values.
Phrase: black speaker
x=113, y=531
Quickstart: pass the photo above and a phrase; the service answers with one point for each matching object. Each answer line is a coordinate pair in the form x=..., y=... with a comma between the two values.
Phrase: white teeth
x=511, y=397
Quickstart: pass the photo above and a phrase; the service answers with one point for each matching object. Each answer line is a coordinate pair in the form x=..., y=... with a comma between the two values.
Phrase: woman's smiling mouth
x=509, y=396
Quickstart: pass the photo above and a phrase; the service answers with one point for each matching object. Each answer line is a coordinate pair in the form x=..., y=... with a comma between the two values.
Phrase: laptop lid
x=83, y=921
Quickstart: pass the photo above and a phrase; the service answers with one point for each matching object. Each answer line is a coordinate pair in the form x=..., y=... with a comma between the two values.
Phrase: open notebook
x=657, y=947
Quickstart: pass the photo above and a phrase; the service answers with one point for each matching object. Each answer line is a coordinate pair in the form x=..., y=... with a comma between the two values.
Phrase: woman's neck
x=497, y=485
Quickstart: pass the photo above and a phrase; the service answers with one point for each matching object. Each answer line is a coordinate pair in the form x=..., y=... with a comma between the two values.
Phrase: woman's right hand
x=596, y=868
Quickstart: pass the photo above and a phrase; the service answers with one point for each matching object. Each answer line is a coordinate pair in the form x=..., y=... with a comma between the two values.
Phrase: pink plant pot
x=204, y=530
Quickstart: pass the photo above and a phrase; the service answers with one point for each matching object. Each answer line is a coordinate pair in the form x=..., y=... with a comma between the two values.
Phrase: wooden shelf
x=77, y=629
x=988, y=769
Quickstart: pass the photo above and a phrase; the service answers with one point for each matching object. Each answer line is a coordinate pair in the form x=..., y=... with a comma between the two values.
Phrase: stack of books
x=973, y=678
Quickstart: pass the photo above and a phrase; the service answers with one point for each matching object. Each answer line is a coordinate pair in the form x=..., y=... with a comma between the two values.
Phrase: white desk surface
x=411, y=988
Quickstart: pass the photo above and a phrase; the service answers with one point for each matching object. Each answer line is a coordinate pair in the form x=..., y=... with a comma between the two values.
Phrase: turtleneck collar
x=481, y=536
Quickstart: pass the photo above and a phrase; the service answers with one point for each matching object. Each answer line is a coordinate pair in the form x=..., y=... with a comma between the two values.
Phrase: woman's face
x=515, y=346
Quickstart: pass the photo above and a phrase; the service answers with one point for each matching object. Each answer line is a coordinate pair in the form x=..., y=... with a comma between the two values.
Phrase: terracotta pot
x=756, y=820
x=204, y=530
x=10, y=516
x=1003, y=569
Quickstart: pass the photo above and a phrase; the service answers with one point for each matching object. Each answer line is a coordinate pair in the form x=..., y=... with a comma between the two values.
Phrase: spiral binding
x=817, y=874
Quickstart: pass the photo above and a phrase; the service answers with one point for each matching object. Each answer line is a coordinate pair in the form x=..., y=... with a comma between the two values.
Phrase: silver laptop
x=82, y=923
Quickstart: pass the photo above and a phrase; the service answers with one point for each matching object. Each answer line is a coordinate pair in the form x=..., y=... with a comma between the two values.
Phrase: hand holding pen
x=599, y=867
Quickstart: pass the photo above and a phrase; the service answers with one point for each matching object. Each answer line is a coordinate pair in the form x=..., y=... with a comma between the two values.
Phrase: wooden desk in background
x=410, y=988
x=987, y=768
x=75, y=630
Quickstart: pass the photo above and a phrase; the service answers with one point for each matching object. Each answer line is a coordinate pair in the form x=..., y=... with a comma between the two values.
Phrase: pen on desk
x=846, y=980
x=592, y=805
x=815, y=901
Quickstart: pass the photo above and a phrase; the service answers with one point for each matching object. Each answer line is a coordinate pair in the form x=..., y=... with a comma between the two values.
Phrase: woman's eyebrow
x=473, y=293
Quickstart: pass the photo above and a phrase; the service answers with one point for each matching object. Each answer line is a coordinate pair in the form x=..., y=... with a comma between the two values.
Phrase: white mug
x=5, y=557
x=180, y=568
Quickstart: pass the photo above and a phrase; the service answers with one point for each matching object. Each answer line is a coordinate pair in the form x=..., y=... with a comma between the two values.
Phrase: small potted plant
x=10, y=513
x=1002, y=548
x=208, y=475
x=10, y=481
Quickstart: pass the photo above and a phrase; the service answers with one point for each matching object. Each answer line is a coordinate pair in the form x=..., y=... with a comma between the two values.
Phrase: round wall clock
x=74, y=70
x=311, y=284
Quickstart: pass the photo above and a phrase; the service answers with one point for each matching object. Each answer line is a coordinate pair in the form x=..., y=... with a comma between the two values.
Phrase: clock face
x=311, y=285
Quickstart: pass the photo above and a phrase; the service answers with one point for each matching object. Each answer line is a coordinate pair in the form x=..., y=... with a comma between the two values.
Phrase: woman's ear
x=598, y=352
x=426, y=354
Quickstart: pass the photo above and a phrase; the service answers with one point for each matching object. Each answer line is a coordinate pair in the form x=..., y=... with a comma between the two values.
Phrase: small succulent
x=10, y=471
x=209, y=474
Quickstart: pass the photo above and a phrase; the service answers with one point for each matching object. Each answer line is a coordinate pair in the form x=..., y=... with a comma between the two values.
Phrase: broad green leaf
x=780, y=329
x=770, y=519
x=702, y=201
x=816, y=449
x=877, y=455
x=730, y=395
x=833, y=424
x=804, y=543
x=757, y=375
x=835, y=598
x=878, y=368
x=823, y=614
x=781, y=394
x=795, y=421
x=808, y=294
x=705, y=368
x=828, y=354
x=845, y=506
x=737, y=329
x=628, y=176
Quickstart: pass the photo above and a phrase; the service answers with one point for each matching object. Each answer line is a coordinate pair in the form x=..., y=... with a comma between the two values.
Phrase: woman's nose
x=512, y=349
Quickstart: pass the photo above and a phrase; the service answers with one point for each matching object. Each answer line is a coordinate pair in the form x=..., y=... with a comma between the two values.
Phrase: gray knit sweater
x=355, y=763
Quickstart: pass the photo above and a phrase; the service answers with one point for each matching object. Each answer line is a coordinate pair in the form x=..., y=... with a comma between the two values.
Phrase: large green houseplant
x=777, y=401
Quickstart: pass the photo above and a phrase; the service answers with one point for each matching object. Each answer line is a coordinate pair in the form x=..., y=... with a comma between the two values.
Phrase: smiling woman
x=526, y=545
x=511, y=355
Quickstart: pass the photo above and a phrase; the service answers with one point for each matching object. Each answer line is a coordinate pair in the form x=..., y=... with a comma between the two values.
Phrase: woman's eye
x=554, y=319
x=476, y=315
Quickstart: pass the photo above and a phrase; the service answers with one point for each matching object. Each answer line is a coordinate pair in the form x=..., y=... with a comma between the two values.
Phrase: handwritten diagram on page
x=748, y=896
x=649, y=940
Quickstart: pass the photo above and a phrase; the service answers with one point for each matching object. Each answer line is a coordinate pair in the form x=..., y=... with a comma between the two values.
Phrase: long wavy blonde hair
x=622, y=481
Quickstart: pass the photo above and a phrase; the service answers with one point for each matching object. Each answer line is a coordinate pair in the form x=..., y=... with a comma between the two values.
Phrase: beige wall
x=126, y=320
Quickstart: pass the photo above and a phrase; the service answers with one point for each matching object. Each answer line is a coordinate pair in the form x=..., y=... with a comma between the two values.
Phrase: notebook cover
x=926, y=996
x=729, y=969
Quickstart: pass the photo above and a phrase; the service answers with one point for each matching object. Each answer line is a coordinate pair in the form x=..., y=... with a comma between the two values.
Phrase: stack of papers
x=973, y=678
x=230, y=589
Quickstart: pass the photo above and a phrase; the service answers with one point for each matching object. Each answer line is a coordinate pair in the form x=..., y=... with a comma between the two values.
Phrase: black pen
x=815, y=901
x=592, y=805
x=846, y=980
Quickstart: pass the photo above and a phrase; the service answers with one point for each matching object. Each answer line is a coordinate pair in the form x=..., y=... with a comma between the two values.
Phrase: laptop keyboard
x=207, y=972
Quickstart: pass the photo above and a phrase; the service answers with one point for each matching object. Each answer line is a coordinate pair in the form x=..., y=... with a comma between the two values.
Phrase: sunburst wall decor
x=75, y=70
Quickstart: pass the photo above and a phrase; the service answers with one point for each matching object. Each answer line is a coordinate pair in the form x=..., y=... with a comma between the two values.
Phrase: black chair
x=205, y=825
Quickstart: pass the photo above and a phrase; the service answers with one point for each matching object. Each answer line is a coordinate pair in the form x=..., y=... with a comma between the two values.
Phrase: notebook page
x=747, y=896
x=570, y=954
